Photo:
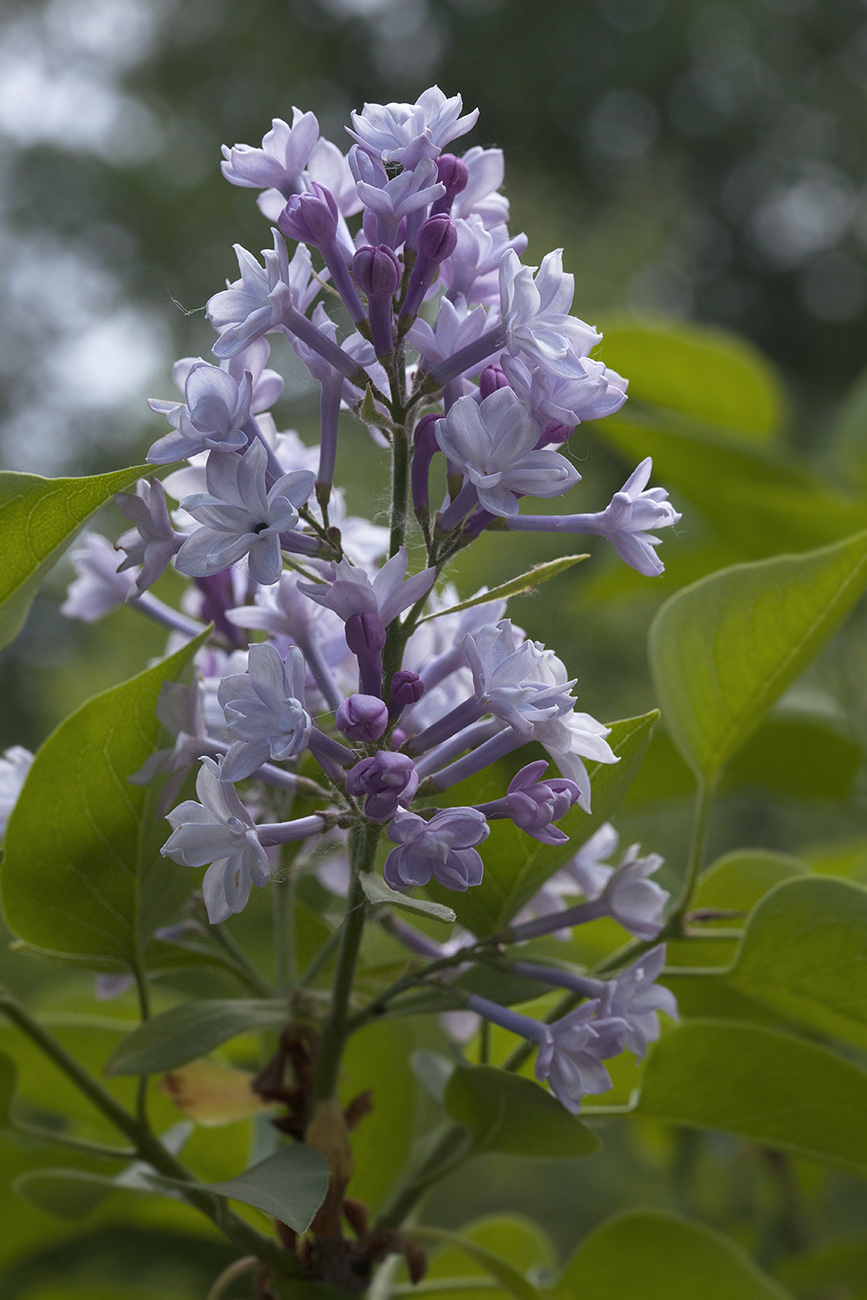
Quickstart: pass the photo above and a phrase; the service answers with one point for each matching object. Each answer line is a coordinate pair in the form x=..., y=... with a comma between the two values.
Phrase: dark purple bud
x=365, y=634
x=387, y=779
x=376, y=271
x=362, y=717
x=310, y=218
x=437, y=238
x=554, y=434
x=491, y=378
x=406, y=688
x=453, y=173
x=425, y=447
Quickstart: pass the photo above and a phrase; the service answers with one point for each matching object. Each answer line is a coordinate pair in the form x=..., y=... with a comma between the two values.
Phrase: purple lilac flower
x=636, y=998
x=591, y=392
x=260, y=301
x=493, y=443
x=153, y=542
x=264, y=710
x=362, y=717
x=99, y=587
x=240, y=516
x=280, y=161
x=535, y=313
x=631, y=898
x=534, y=804
x=407, y=133
x=388, y=595
x=218, y=831
x=389, y=200
x=215, y=409
x=386, y=781
x=570, y=1061
x=442, y=848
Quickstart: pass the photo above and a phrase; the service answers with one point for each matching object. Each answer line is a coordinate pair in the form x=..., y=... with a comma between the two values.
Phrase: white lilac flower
x=631, y=898
x=390, y=198
x=241, y=516
x=388, y=595
x=264, y=709
x=99, y=587
x=212, y=416
x=535, y=313
x=153, y=541
x=509, y=679
x=473, y=268
x=456, y=325
x=442, y=848
x=589, y=870
x=407, y=133
x=218, y=831
x=14, y=766
x=493, y=443
x=632, y=513
x=279, y=163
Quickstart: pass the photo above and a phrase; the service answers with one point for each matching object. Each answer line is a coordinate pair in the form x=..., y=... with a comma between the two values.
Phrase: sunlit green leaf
x=39, y=517
x=723, y=650
x=507, y=1113
x=191, y=1030
x=702, y=372
x=757, y=1083
x=662, y=1257
x=81, y=872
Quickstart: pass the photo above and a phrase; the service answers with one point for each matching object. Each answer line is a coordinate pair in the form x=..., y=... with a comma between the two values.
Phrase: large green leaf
x=517, y=866
x=513, y=1282
x=723, y=650
x=507, y=1113
x=706, y=373
x=82, y=874
x=662, y=1257
x=757, y=1083
x=516, y=1241
x=804, y=954
x=290, y=1185
x=194, y=1029
x=38, y=519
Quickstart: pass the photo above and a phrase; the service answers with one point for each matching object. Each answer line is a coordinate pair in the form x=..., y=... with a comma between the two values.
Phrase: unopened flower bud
x=310, y=218
x=388, y=780
x=376, y=271
x=453, y=173
x=491, y=378
x=437, y=238
x=365, y=634
x=406, y=688
x=362, y=717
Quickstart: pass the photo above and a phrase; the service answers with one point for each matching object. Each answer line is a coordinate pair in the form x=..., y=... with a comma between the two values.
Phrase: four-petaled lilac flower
x=99, y=587
x=406, y=133
x=214, y=412
x=570, y=1060
x=442, y=848
x=493, y=442
x=220, y=831
x=633, y=900
x=280, y=161
x=264, y=710
x=509, y=681
x=241, y=516
x=388, y=595
x=387, y=780
x=632, y=513
x=535, y=313
x=153, y=541
x=534, y=804
x=263, y=298
x=634, y=996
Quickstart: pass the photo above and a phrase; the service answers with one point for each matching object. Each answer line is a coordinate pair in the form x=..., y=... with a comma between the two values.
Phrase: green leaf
x=516, y=1240
x=81, y=875
x=804, y=955
x=516, y=866
x=194, y=1029
x=509, y=1278
x=378, y=893
x=723, y=650
x=65, y=1193
x=759, y=1084
x=8, y=1087
x=290, y=1185
x=507, y=1113
x=515, y=587
x=706, y=373
x=662, y=1257
x=39, y=517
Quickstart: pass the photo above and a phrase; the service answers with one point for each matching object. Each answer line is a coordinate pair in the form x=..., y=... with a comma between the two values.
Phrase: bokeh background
x=697, y=161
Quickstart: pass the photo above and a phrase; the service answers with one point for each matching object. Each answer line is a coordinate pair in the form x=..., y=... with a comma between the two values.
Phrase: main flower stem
x=363, y=839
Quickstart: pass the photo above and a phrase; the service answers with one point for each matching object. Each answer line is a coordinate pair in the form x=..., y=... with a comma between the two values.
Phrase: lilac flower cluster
x=370, y=694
